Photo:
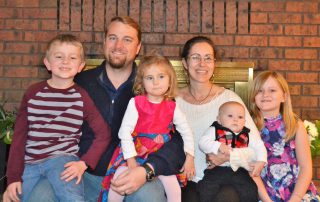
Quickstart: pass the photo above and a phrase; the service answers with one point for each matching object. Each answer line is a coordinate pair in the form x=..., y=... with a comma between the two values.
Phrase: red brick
x=135, y=9
x=295, y=89
x=39, y=36
x=48, y=25
x=194, y=21
x=223, y=40
x=311, y=42
x=23, y=3
x=2, y=2
x=182, y=16
x=37, y=13
x=311, y=114
x=46, y=3
x=311, y=90
x=305, y=6
x=22, y=24
x=152, y=38
x=98, y=37
x=243, y=18
x=311, y=18
x=259, y=18
x=11, y=13
x=218, y=17
x=26, y=83
x=14, y=96
x=284, y=18
x=300, y=54
x=311, y=66
x=75, y=15
x=122, y=7
x=172, y=51
x=301, y=77
x=110, y=12
x=87, y=15
x=285, y=41
x=158, y=16
x=231, y=14
x=2, y=24
x=265, y=53
x=1, y=47
x=267, y=6
x=232, y=53
x=11, y=35
x=20, y=72
x=64, y=15
x=171, y=21
x=8, y=83
x=274, y=29
x=300, y=30
x=179, y=39
x=145, y=16
x=251, y=41
x=291, y=65
x=304, y=101
x=207, y=20
x=32, y=60
x=20, y=48
x=85, y=36
x=10, y=59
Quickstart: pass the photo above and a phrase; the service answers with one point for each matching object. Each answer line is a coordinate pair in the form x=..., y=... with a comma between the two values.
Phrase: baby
x=230, y=137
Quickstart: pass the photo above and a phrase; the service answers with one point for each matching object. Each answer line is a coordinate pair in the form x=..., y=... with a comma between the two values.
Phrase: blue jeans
x=150, y=192
x=51, y=170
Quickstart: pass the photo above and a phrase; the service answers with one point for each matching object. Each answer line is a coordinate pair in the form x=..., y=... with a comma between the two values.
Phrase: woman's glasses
x=196, y=58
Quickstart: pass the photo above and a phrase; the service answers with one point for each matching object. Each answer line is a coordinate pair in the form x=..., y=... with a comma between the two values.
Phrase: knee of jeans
x=151, y=191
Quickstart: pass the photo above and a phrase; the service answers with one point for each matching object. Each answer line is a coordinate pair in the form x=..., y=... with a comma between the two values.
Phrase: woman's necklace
x=202, y=100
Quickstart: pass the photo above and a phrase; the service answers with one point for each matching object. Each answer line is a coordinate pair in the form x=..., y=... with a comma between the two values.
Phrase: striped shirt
x=49, y=124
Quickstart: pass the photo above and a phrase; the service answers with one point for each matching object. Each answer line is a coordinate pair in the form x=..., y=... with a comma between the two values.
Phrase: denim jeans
x=150, y=192
x=51, y=170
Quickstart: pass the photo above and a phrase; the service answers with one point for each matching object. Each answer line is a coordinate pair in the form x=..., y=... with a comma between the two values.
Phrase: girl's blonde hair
x=289, y=117
x=145, y=63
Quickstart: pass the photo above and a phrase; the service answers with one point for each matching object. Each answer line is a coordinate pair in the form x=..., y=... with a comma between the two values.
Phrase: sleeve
x=17, y=149
x=101, y=131
x=255, y=141
x=207, y=143
x=128, y=124
x=169, y=159
x=181, y=123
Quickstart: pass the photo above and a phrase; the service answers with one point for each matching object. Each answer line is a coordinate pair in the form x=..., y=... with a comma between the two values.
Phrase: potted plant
x=7, y=119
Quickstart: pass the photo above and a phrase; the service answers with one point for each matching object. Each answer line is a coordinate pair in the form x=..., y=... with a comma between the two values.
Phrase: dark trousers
x=210, y=186
x=227, y=194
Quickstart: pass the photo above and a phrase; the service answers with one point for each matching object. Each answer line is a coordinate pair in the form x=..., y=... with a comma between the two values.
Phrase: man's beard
x=116, y=63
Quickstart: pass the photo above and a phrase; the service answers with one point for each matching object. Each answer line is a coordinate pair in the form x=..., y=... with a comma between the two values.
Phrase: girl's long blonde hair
x=289, y=117
x=145, y=63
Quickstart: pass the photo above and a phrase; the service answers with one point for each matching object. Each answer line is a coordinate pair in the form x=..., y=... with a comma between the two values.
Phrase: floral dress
x=281, y=173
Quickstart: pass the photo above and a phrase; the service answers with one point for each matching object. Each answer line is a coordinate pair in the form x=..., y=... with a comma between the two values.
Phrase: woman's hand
x=188, y=167
x=216, y=160
x=74, y=169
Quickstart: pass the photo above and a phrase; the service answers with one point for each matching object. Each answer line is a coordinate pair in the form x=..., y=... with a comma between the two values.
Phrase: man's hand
x=11, y=193
x=74, y=169
x=129, y=181
x=224, y=149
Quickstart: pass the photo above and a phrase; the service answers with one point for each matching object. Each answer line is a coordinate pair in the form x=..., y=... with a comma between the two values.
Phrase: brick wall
x=277, y=35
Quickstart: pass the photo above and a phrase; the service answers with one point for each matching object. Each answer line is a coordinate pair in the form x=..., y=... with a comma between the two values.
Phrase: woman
x=200, y=101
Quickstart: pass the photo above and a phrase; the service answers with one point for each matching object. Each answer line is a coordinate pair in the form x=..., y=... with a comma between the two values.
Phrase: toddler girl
x=287, y=176
x=146, y=126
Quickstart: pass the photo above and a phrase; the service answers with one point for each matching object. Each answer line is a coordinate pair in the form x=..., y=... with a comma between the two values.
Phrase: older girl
x=287, y=176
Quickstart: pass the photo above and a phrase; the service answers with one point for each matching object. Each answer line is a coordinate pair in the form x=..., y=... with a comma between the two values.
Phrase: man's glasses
x=196, y=58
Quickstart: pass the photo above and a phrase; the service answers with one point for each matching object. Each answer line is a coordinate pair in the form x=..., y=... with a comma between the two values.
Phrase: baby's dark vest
x=225, y=135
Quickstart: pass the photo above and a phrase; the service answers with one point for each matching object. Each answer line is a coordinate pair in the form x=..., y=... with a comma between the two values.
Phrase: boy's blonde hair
x=65, y=38
x=289, y=117
x=147, y=62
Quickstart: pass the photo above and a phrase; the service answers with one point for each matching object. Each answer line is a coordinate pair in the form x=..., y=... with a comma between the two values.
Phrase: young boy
x=48, y=128
x=229, y=136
